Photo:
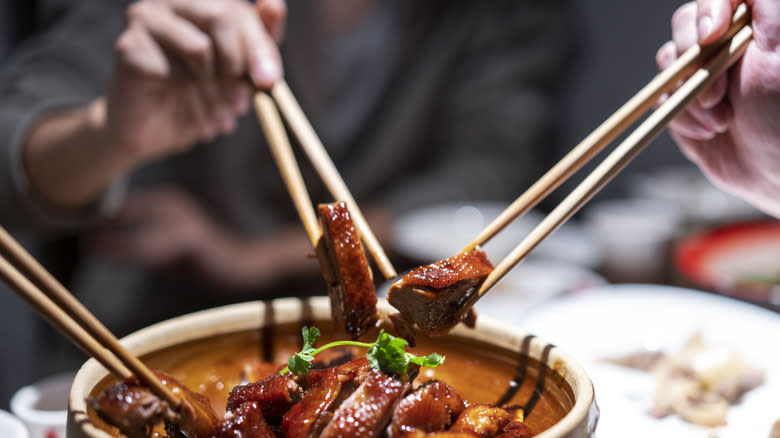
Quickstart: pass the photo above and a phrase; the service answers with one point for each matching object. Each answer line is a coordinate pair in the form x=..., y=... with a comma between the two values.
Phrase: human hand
x=730, y=130
x=183, y=68
x=166, y=226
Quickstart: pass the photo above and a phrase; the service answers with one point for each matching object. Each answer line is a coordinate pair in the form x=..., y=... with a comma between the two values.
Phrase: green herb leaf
x=387, y=354
x=300, y=363
x=432, y=360
x=310, y=336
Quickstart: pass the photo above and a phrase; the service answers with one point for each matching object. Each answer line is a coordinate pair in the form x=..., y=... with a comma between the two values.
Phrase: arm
x=730, y=131
x=178, y=78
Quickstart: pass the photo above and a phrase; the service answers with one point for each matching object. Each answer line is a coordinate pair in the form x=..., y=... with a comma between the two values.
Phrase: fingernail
x=704, y=27
x=265, y=72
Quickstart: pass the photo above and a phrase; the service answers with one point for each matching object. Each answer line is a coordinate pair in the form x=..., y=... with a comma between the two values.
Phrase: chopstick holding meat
x=350, y=284
x=438, y=296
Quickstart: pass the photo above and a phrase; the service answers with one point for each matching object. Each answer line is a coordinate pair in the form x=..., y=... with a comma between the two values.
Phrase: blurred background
x=660, y=194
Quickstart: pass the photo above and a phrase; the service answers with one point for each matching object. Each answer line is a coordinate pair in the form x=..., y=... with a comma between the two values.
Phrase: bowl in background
x=42, y=406
x=547, y=375
x=11, y=426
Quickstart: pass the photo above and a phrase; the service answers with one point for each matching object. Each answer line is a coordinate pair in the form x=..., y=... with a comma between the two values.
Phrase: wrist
x=112, y=153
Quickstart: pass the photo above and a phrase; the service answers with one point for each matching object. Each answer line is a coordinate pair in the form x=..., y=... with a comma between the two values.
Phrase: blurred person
x=731, y=130
x=126, y=126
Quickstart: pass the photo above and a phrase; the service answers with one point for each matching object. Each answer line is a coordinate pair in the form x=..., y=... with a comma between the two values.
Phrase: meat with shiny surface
x=431, y=408
x=307, y=417
x=368, y=410
x=438, y=296
x=346, y=271
x=275, y=394
x=482, y=420
x=245, y=421
x=133, y=408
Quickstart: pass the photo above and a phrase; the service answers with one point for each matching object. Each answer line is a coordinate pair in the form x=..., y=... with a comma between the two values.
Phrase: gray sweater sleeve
x=64, y=66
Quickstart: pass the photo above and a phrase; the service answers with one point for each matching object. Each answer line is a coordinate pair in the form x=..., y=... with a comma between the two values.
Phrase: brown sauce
x=481, y=373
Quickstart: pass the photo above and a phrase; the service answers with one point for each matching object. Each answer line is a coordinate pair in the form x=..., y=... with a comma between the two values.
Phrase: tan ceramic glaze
x=579, y=422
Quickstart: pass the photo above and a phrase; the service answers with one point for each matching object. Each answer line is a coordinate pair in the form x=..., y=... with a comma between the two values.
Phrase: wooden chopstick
x=603, y=135
x=38, y=287
x=285, y=161
x=624, y=153
x=324, y=166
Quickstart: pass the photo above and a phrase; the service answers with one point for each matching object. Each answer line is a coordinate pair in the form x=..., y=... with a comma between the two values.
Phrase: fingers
x=709, y=114
x=713, y=18
x=215, y=45
x=696, y=123
x=684, y=27
x=251, y=43
x=273, y=14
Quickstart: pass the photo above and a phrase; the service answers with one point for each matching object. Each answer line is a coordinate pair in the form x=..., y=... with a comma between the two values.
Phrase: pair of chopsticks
x=31, y=281
x=703, y=64
x=267, y=113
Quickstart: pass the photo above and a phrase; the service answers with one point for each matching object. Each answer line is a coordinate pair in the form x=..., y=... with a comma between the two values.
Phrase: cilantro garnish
x=387, y=354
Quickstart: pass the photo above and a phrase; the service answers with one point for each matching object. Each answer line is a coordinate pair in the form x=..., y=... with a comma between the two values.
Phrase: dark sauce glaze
x=449, y=271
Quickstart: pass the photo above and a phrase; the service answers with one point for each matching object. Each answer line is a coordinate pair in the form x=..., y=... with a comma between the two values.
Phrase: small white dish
x=11, y=426
x=43, y=406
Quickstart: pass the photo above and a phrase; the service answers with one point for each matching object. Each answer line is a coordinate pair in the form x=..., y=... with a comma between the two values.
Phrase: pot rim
x=248, y=315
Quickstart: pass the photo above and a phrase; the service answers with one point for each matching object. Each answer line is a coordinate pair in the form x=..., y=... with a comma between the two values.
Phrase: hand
x=167, y=226
x=182, y=71
x=731, y=130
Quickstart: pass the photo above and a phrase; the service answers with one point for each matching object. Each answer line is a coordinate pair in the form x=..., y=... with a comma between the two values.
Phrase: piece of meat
x=440, y=295
x=275, y=395
x=346, y=271
x=417, y=433
x=307, y=417
x=245, y=421
x=431, y=408
x=135, y=410
x=367, y=411
x=483, y=420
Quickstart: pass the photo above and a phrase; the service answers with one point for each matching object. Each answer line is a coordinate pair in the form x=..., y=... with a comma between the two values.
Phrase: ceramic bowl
x=522, y=368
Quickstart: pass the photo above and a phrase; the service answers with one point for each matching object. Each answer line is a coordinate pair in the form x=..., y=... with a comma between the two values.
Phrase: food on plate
x=372, y=396
x=346, y=271
x=699, y=382
x=438, y=296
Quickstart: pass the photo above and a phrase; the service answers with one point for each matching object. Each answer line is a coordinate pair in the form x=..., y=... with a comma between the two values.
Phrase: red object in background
x=52, y=433
x=740, y=260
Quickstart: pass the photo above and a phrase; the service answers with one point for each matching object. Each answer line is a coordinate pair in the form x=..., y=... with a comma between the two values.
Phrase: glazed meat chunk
x=346, y=271
x=438, y=296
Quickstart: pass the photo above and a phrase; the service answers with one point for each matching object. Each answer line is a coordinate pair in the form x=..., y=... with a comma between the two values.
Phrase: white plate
x=613, y=320
x=433, y=233
x=532, y=283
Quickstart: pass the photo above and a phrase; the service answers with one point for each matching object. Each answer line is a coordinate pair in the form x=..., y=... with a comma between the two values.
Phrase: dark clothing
x=427, y=102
